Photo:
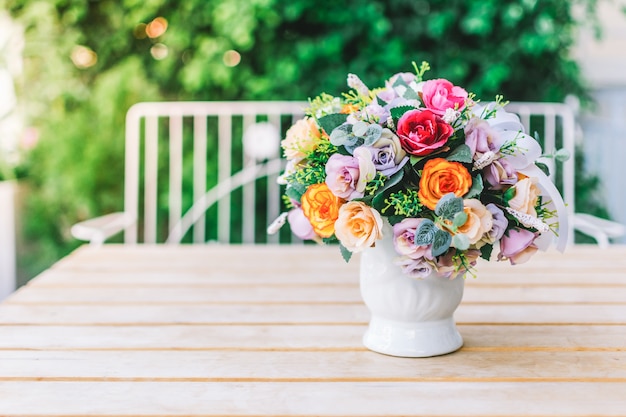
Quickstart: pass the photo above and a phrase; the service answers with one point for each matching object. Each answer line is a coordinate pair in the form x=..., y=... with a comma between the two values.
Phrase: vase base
x=412, y=340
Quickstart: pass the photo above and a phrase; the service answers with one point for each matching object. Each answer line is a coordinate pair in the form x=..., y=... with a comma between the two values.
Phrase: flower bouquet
x=452, y=177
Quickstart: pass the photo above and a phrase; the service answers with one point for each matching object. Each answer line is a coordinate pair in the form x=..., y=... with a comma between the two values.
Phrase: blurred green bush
x=88, y=61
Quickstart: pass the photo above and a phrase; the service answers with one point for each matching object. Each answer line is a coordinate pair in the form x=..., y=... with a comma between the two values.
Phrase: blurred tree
x=89, y=60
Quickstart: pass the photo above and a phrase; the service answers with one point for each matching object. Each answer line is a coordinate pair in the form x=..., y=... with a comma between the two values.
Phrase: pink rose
x=439, y=95
x=517, y=246
x=422, y=132
x=404, y=240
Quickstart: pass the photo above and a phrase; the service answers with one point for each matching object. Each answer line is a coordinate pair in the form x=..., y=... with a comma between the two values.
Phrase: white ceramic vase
x=409, y=317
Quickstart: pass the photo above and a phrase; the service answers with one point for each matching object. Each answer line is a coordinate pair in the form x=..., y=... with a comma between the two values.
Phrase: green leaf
x=359, y=129
x=448, y=206
x=414, y=159
x=398, y=112
x=543, y=167
x=331, y=121
x=441, y=242
x=485, y=252
x=395, y=219
x=460, y=241
x=372, y=134
x=477, y=187
x=508, y=195
x=400, y=83
x=345, y=253
x=459, y=219
x=410, y=94
x=295, y=191
x=342, y=135
x=461, y=153
x=425, y=233
x=378, y=202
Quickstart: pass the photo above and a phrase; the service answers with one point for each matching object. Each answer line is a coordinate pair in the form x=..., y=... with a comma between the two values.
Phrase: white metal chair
x=168, y=148
x=556, y=126
x=233, y=134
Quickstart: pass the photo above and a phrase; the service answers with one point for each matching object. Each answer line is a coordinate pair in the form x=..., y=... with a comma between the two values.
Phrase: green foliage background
x=290, y=49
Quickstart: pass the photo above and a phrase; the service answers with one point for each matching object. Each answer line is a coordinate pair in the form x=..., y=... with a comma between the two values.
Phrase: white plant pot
x=7, y=238
x=409, y=317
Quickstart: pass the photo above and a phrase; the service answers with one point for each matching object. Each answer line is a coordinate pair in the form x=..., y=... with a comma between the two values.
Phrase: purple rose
x=404, y=240
x=347, y=176
x=500, y=173
x=374, y=112
x=480, y=136
x=387, y=153
x=415, y=268
x=500, y=223
x=300, y=225
x=451, y=266
x=387, y=95
x=517, y=246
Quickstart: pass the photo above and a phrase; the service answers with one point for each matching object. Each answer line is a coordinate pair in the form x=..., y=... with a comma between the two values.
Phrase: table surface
x=268, y=330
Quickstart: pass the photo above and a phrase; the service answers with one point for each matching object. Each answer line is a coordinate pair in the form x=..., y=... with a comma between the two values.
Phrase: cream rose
x=389, y=139
x=301, y=139
x=358, y=226
x=526, y=195
x=479, y=220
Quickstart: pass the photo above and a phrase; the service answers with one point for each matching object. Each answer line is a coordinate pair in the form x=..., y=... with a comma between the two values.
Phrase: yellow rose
x=358, y=226
x=321, y=207
x=479, y=220
x=441, y=177
x=526, y=195
x=301, y=139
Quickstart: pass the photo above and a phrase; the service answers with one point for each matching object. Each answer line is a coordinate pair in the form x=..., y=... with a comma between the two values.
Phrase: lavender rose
x=500, y=173
x=499, y=225
x=387, y=153
x=415, y=268
x=480, y=137
x=300, y=225
x=347, y=176
x=517, y=246
x=404, y=240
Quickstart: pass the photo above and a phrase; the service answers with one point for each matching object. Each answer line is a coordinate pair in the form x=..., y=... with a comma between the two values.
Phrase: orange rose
x=321, y=207
x=441, y=177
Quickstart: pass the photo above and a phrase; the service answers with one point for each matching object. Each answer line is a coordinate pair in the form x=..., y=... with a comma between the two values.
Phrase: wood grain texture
x=276, y=331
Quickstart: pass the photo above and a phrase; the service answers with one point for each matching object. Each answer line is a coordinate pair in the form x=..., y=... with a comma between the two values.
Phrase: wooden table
x=276, y=331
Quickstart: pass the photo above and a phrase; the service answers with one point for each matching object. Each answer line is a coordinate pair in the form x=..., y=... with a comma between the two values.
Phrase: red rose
x=421, y=132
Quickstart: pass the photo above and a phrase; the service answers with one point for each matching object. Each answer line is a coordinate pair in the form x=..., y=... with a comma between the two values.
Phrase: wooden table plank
x=329, y=314
x=293, y=337
x=298, y=294
x=309, y=366
x=389, y=399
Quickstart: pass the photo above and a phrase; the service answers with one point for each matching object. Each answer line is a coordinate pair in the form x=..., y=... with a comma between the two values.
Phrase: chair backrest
x=554, y=125
x=169, y=146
